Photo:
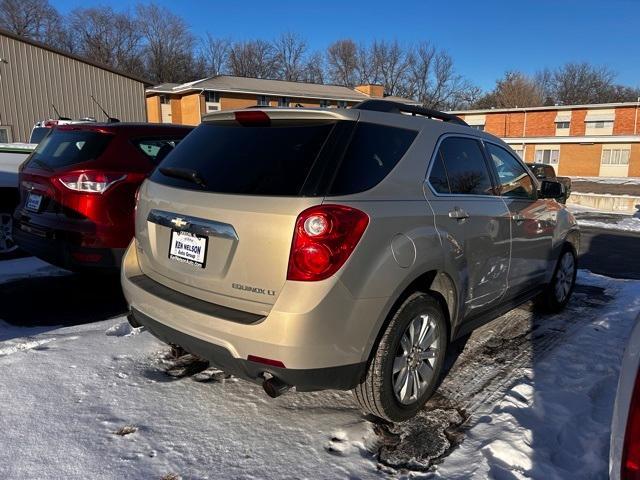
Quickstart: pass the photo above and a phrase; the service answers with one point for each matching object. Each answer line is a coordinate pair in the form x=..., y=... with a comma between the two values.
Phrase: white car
x=11, y=157
x=624, y=454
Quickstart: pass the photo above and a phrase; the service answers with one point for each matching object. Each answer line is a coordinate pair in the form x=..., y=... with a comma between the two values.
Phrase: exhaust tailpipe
x=132, y=321
x=275, y=387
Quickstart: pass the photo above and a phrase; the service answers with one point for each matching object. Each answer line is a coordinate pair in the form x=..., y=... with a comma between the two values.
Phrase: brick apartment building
x=578, y=140
x=186, y=103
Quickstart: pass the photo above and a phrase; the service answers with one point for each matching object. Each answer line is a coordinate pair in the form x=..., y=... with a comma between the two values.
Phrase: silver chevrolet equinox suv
x=342, y=248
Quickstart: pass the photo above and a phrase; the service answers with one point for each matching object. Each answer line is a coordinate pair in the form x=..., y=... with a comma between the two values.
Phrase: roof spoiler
x=388, y=106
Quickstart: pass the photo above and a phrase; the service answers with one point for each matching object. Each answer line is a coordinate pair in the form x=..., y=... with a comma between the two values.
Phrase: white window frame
x=263, y=101
x=7, y=130
x=284, y=101
x=554, y=155
x=615, y=155
x=325, y=104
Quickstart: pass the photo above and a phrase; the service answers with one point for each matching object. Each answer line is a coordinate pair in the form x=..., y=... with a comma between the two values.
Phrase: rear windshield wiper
x=184, y=174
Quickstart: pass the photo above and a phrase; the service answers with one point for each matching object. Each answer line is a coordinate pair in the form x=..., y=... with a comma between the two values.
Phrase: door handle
x=518, y=217
x=458, y=214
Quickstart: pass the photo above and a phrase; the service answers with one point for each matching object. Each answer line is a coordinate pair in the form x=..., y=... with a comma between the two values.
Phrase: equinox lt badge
x=249, y=288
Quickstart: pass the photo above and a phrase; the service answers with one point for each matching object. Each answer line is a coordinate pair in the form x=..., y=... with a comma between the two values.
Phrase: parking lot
x=81, y=384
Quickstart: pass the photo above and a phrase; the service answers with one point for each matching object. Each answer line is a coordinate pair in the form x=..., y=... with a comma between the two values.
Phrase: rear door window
x=466, y=170
x=63, y=148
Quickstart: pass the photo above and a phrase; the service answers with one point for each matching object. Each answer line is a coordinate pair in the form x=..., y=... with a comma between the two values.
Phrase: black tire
x=376, y=394
x=8, y=248
x=548, y=300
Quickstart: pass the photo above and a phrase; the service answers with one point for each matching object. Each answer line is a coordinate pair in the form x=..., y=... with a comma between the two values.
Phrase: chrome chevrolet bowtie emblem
x=179, y=222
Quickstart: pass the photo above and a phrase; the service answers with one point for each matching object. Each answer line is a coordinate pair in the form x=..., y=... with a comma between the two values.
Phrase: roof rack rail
x=397, y=107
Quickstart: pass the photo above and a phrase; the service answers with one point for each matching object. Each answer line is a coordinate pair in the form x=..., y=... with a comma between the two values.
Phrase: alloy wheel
x=564, y=276
x=414, y=363
x=7, y=245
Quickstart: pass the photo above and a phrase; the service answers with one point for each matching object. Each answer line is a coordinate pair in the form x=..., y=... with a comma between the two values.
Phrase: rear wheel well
x=435, y=283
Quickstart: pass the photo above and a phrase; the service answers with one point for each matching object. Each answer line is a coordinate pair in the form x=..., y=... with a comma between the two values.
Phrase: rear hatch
x=59, y=151
x=215, y=221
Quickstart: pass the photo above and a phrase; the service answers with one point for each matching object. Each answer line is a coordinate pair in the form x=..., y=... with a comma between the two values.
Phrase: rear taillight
x=631, y=449
x=90, y=181
x=323, y=240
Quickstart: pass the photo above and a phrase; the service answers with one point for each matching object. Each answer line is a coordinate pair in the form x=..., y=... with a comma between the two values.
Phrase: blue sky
x=485, y=37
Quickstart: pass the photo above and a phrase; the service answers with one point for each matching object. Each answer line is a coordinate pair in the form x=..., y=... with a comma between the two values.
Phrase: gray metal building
x=33, y=77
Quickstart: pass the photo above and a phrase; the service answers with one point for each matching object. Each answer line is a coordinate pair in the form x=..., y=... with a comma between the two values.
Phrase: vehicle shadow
x=61, y=300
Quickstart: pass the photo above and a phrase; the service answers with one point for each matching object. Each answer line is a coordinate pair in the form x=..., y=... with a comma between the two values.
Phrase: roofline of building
x=587, y=139
x=485, y=111
x=191, y=86
x=78, y=58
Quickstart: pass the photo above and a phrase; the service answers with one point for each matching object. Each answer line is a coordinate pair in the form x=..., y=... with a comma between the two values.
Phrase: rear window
x=38, y=133
x=63, y=148
x=334, y=158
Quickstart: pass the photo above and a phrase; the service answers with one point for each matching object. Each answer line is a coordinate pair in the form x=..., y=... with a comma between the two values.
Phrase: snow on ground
x=67, y=391
x=609, y=180
x=627, y=224
x=27, y=268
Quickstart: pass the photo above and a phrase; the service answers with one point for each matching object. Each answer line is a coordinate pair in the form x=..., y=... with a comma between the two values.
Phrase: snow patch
x=123, y=329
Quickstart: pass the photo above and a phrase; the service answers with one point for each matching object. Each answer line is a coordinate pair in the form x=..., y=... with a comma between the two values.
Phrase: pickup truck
x=542, y=171
x=11, y=157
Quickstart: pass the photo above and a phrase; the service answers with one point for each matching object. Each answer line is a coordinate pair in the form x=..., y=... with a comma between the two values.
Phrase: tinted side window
x=465, y=166
x=438, y=176
x=155, y=149
x=373, y=152
x=514, y=179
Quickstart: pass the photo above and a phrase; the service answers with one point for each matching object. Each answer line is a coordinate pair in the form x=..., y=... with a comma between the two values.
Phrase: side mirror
x=551, y=189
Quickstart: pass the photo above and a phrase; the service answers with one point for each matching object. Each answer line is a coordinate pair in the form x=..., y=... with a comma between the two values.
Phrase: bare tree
x=578, y=83
x=365, y=70
x=168, y=51
x=215, y=54
x=515, y=89
x=252, y=58
x=341, y=62
x=107, y=36
x=391, y=64
x=314, y=71
x=433, y=81
x=289, y=56
x=34, y=19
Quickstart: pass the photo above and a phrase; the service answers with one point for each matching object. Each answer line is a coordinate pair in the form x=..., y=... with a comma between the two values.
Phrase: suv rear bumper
x=325, y=346
x=65, y=253
x=305, y=380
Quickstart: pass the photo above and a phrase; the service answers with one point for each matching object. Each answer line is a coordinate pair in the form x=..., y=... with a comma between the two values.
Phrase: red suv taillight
x=631, y=450
x=90, y=181
x=323, y=240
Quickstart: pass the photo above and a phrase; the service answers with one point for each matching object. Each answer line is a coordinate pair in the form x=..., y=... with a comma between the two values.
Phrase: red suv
x=77, y=191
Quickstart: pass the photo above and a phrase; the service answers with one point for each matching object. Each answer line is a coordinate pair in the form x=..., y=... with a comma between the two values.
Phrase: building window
x=164, y=99
x=615, y=156
x=519, y=152
x=599, y=124
x=548, y=156
x=263, y=101
x=212, y=97
x=342, y=104
x=478, y=127
x=325, y=104
x=283, y=102
x=5, y=134
x=561, y=125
